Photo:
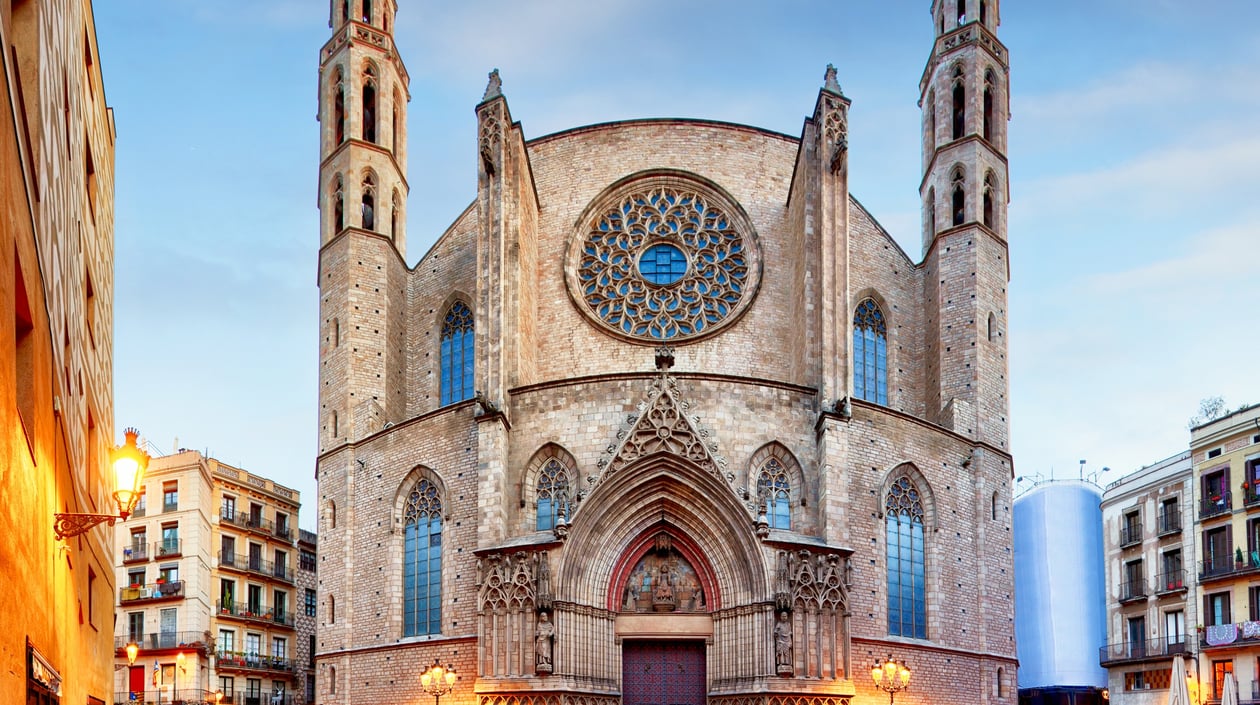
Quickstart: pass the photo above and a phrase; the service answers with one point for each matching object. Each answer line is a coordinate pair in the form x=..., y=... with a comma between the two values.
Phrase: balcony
x=1169, y=523
x=1251, y=496
x=247, y=522
x=136, y=553
x=1149, y=650
x=255, y=613
x=1170, y=582
x=284, y=533
x=1133, y=591
x=152, y=592
x=162, y=640
x=169, y=548
x=257, y=566
x=1220, y=567
x=1215, y=505
x=240, y=661
x=1130, y=534
x=193, y=696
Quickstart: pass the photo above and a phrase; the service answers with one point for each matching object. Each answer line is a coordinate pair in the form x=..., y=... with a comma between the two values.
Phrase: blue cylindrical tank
x=1060, y=592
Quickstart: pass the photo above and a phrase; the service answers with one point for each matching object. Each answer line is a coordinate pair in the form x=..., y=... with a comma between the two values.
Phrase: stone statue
x=783, y=645
x=543, y=635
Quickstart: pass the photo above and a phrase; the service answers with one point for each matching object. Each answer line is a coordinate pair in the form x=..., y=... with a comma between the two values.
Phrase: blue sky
x=1134, y=220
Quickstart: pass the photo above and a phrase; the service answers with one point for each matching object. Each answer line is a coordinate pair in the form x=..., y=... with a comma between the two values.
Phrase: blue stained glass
x=870, y=353
x=663, y=264
x=457, y=354
x=422, y=561
x=907, y=604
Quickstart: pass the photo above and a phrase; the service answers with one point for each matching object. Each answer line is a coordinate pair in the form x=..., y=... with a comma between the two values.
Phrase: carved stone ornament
x=494, y=87
x=835, y=133
x=516, y=580
x=490, y=142
x=663, y=426
x=812, y=580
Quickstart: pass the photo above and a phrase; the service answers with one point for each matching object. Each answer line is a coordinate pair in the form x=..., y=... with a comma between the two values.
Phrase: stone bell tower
x=363, y=93
x=964, y=95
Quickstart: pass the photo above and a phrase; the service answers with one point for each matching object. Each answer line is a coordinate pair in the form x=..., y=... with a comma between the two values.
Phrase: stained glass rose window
x=663, y=258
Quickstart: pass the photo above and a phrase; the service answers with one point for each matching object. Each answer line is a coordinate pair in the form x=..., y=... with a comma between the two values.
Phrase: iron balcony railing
x=1123, y=651
x=152, y=591
x=1226, y=565
x=283, y=531
x=162, y=640
x=1251, y=495
x=1214, y=504
x=168, y=548
x=1169, y=522
x=1170, y=581
x=1130, y=534
x=137, y=552
x=256, y=564
x=1133, y=590
x=260, y=612
x=192, y=696
x=245, y=520
x=254, y=662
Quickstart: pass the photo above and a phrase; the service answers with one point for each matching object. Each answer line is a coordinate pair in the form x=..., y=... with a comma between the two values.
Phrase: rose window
x=663, y=259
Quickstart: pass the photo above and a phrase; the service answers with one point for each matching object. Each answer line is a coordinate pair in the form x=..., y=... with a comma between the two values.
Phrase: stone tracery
x=665, y=261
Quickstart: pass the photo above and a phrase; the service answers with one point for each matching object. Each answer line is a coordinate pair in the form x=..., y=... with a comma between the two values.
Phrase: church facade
x=665, y=414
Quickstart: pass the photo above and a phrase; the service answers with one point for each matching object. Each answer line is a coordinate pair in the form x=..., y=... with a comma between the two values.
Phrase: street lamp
x=438, y=681
x=179, y=668
x=218, y=697
x=132, y=650
x=129, y=465
x=891, y=676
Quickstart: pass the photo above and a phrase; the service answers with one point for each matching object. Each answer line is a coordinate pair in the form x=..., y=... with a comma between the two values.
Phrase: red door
x=662, y=673
x=135, y=682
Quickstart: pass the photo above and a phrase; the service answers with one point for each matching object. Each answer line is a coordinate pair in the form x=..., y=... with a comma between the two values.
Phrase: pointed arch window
x=367, y=11
x=903, y=523
x=989, y=188
x=959, y=104
x=369, y=103
x=984, y=15
x=422, y=561
x=775, y=490
x=339, y=109
x=339, y=208
x=988, y=105
x=958, y=205
x=369, y=202
x=961, y=12
x=552, y=493
x=932, y=120
x=931, y=212
x=345, y=11
x=457, y=354
x=870, y=353
x=395, y=207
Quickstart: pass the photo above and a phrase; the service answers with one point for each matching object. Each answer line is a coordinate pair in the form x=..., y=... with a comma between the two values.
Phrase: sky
x=1134, y=221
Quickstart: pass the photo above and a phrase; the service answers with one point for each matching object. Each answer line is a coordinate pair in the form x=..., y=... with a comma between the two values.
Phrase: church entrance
x=662, y=672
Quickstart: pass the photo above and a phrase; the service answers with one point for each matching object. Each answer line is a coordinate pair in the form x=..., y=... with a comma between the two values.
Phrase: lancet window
x=552, y=493
x=870, y=353
x=422, y=561
x=457, y=354
x=775, y=490
x=903, y=522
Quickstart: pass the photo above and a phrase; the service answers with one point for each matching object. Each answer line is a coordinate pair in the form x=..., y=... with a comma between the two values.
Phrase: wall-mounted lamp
x=129, y=465
x=132, y=650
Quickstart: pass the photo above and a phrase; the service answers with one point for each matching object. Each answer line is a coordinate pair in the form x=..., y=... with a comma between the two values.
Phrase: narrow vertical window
x=988, y=106
x=903, y=522
x=870, y=353
x=993, y=506
x=959, y=104
x=339, y=209
x=958, y=199
x=775, y=491
x=367, y=11
x=422, y=561
x=932, y=121
x=457, y=354
x=553, y=494
x=332, y=609
x=961, y=12
x=369, y=104
x=393, y=216
x=984, y=12
x=987, y=206
x=339, y=109
x=931, y=212
x=345, y=11
x=992, y=327
x=368, y=204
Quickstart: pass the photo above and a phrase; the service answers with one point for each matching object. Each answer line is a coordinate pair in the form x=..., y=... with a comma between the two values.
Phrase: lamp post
x=218, y=697
x=891, y=676
x=438, y=681
x=179, y=668
x=132, y=650
x=129, y=465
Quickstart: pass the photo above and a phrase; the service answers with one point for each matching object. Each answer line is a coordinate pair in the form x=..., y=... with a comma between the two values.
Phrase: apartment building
x=1226, y=456
x=1148, y=549
x=208, y=566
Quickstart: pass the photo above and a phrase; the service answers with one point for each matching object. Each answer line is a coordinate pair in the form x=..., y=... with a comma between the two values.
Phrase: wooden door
x=663, y=673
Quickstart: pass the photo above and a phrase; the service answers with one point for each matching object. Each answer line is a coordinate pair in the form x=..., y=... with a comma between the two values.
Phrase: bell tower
x=964, y=96
x=363, y=94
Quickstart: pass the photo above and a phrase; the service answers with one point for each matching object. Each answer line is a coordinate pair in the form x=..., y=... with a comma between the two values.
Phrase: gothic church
x=665, y=415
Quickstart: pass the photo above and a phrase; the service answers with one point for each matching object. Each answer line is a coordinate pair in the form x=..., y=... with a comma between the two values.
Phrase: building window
x=227, y=508
x=369, y=104
x=1172, y=578
x=990, y=186
x=141, y=505
x=279, y=647
x=988, y=105
x=280, y=607
x=870, y=353
x=227, y=596
x=1134, y=586
x=368, y=204
x=227, y=684
x=282, y=525
x=135, y=578
x=422, y=561
x=1216, y=609
x=959, y=104
x=1220, y=669
x=958, y=199
x=1131, y=529
x=552, y=493
x=170, y=540
x=1217, y=556
x=332, y=609
x=774, y=491
x=339, y=109
x=280, y=568
x=227, y=643
x=310, y=602
x=903, y=520
x=1169, y=516
x=170, y=496
x=457, y=354
x=1175, y=631
x=306, y=560
x=332, y=680
x=339, y=208
x=135, y=627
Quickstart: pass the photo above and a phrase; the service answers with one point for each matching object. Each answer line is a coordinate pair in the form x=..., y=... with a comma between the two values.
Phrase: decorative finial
x=664, y=358
x=830, y=83
x=494, y=88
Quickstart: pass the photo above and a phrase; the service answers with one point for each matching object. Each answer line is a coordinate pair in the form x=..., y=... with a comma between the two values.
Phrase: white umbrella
x=1178, y=691
x=1229, y=696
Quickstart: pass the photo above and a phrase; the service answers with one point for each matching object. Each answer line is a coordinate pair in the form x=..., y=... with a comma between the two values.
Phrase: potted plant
x=1238, y=557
